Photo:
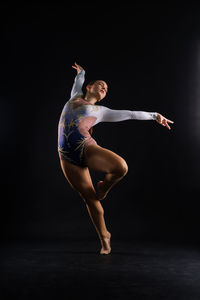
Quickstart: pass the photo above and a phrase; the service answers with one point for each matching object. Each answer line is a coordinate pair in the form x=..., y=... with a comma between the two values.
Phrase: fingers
x=168, y=126
x=76, y=66
x=169, y=121
x=165, y=123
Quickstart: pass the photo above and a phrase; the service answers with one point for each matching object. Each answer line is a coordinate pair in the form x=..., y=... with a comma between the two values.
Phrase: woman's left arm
x=111, y=115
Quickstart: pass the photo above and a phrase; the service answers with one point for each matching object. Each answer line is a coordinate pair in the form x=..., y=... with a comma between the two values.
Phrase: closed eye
x=103, y=86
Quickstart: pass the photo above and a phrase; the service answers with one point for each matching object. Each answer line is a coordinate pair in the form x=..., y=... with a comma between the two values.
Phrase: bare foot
x=105, y=242
x=101, y=193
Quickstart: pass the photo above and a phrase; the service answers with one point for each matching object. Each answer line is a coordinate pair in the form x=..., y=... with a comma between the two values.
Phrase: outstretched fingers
x=164, y=121
x=167, y=125
x=77, y=67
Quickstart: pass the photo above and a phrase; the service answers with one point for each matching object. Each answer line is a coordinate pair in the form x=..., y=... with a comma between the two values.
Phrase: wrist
x=155, y=115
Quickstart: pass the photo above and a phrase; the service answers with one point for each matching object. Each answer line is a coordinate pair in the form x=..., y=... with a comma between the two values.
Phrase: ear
x=88, y=87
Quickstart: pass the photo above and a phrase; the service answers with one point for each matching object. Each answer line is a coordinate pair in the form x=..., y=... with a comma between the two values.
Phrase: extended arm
x=78, y=82
x=111, y=115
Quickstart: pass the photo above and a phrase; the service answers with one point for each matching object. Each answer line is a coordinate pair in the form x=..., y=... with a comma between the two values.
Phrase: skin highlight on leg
x=80, y=180
x=97, y=217
x=106, y=161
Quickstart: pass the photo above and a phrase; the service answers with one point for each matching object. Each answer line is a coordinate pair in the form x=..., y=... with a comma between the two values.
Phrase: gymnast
x=78, y=151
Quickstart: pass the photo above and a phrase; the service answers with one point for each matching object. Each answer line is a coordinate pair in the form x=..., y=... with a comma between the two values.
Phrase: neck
x=90, y=98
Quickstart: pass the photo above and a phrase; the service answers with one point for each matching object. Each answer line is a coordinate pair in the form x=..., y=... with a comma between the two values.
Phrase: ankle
x=106, y=235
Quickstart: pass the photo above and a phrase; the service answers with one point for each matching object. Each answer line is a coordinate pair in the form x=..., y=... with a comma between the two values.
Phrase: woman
x=79, y=152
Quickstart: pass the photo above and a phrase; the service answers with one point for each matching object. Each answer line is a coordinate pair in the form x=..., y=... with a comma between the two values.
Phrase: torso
x=73, y=131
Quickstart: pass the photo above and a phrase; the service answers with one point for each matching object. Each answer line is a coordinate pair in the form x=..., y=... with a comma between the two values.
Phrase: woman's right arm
x=78, y=81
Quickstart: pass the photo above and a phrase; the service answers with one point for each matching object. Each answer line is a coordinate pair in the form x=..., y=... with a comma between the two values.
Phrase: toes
x=105, y=251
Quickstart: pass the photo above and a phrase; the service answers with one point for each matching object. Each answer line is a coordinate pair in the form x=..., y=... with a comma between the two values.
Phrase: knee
x=122, y=168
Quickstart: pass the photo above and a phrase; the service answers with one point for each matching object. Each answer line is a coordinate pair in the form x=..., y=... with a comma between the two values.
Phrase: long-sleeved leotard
x=78, y=116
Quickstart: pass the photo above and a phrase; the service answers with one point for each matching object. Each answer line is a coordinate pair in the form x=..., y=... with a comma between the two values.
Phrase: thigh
x=103, y=160
x=79, y=178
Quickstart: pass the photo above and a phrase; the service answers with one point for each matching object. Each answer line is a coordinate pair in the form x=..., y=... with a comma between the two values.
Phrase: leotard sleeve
x=110, y=115
x=78, y=83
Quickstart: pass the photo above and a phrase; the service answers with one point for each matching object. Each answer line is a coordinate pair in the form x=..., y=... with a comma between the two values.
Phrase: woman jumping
x=79, y=152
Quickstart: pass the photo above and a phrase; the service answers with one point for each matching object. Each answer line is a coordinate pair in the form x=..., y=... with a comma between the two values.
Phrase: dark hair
x=84, y=87
x=92, y=82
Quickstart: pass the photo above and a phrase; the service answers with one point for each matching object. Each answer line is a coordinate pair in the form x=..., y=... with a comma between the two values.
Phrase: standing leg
x=79, y=178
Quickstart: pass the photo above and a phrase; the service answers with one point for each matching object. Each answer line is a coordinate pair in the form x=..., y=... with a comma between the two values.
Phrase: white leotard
x=78, y=116
x=104, y=114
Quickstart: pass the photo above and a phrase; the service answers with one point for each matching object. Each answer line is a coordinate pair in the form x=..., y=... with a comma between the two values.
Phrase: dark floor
x=66, y=270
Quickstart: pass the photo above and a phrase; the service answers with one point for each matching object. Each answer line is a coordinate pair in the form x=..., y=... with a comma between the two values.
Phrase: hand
x=77, y=67
x=163, y=121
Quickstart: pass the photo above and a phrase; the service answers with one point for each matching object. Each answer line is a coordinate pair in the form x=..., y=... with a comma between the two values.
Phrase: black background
x=149, y=55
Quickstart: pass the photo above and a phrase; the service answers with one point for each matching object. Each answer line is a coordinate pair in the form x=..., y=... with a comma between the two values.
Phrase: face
x=99, y=89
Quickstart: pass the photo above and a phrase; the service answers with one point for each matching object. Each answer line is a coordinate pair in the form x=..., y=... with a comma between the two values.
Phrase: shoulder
x=102, y=108
x=77, y=101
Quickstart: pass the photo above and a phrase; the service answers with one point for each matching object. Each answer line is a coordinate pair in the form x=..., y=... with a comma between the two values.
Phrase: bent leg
x=106, y=161
x=80, y=180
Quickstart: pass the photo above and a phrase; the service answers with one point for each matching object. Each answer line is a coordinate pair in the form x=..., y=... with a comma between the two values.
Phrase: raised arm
x=78, y=81
x=110, y=115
